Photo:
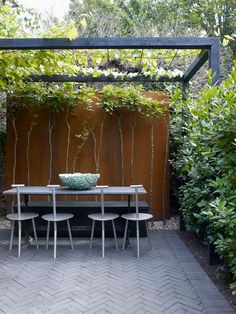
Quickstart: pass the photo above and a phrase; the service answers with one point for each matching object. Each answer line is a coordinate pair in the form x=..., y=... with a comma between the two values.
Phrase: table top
x=44, y=190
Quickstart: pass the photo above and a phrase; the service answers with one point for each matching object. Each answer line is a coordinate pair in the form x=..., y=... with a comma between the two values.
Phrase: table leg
x=27, y=222
x=129, y=200
x=127, y=231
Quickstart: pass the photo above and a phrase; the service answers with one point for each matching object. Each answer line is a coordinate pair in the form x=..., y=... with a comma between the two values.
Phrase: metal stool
x=55, y=217
x=137, y=217
x=103, y=217
x=19, y=216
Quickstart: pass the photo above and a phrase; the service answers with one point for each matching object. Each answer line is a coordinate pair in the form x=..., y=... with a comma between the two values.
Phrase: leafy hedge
x=203, y=132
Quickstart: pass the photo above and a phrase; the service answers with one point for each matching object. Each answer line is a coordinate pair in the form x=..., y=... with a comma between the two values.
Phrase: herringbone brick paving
x=166, y=279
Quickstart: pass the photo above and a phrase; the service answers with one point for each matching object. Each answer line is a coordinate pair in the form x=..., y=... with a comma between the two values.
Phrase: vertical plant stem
x=27, y=154
x=14, y=154
x=165, y=171
x=76, y=158
x=152, y=163
x=95, y=154
x=68, y=143
x=68, y=139
x=119, y=121
x=97, y=151
x=83, y=137
x=100, y=143
x=132, y=125
x=94, y=148
x=51, y=124
x=15, y=150
x=74, y=161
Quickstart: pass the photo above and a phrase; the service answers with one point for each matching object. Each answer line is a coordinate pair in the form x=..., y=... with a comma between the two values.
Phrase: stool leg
x=19, y=238
x=103, y=239
x=125, y=235
x=47, y=238
x=114, y=231
x=92, y=232
x=69, y=230
x=55, y=239
x=137, y=235
x=148, y=235
x=35, y=234
x=12, y=233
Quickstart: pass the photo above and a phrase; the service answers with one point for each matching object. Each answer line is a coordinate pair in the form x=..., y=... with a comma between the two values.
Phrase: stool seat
x=22, y=216
x=139, y=217
x=103, y=217
x=19, y=217
x=58, y=217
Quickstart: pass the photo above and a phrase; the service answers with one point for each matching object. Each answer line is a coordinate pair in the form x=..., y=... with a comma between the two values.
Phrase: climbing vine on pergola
x=106, y=59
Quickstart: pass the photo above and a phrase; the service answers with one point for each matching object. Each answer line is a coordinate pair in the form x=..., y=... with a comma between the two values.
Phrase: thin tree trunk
x=27, y=154
x=165, y=172
x=68, y=140
x=119, y=118
x=152, y=163
x=51, y=124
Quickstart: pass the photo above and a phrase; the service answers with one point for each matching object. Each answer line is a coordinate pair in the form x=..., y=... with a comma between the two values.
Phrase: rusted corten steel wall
x=124, y=148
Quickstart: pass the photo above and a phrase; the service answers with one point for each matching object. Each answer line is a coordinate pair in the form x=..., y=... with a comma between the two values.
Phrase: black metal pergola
x=209, y=51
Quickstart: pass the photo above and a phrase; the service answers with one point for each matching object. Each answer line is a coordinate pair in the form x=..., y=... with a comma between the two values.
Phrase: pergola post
x=214, y=61
x=185, y=87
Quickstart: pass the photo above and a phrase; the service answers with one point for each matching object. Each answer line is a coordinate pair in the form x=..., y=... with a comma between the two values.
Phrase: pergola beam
x=106, y=79
x=209, y=46
x=108, y=43
x=195, y=65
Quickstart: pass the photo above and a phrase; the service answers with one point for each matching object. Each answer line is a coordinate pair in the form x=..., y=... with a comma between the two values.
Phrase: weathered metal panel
x=124, y=148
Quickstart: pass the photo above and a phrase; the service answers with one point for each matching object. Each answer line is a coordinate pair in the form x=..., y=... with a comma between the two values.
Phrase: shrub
x=203, y=133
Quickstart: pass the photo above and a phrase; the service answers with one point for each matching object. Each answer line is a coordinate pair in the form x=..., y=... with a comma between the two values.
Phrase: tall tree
x=215, y=17
x=99, y=18
x=155, y=18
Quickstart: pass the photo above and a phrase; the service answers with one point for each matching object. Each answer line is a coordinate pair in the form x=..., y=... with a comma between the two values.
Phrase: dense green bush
x=203, y=132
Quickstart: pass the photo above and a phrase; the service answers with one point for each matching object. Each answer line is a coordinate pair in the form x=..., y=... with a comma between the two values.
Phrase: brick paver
x=166, y=279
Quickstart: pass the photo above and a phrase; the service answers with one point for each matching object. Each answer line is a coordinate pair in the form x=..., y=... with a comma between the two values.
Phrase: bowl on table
x=79, y=181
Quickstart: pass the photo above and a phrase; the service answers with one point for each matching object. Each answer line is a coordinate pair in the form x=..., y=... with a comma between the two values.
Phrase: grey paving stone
x=166, y=279
x=219, y=310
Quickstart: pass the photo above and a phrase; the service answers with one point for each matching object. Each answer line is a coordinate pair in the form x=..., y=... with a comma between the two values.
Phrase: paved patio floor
x=166, y=279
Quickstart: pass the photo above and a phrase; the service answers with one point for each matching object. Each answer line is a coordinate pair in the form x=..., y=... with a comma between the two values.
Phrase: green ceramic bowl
x=79, y=181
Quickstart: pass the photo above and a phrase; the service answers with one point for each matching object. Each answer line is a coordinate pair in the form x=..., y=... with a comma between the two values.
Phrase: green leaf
x=83, y=23
x=72, y=33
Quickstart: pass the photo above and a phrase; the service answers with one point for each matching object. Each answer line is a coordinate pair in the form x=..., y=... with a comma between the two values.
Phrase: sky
x=58, y=7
